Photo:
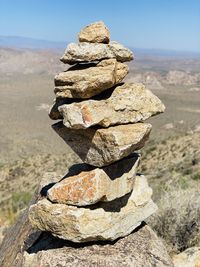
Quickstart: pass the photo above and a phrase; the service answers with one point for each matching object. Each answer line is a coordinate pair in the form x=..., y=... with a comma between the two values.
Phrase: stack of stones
x=102, y=120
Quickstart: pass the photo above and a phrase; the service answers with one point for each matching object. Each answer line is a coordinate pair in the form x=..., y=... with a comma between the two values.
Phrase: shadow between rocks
x=112, y=206
x=47, y=241
x=44, y=190
x=80, y=141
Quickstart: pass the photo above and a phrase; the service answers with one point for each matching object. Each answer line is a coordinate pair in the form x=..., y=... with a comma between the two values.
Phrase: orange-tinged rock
x=89, y=187
x=101, y=221
x=128, y=103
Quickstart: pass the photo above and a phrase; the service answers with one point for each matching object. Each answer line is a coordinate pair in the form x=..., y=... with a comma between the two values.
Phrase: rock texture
x=88, y=52
x=95, y=33
x=89, y=187
x=106, y=221
x=188, y=258
x=142, y=248
x=101, y=147
x=128, y=103
x=84, y=81
x=22, y=235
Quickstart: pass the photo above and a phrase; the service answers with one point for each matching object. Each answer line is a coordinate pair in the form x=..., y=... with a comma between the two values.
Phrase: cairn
x=102, y=120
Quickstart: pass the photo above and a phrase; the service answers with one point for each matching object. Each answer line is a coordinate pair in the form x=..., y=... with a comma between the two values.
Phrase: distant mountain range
x=31, y=43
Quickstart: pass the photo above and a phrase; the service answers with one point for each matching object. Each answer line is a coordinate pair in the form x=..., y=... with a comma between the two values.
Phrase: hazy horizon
x=26, y=42
x=165, y=25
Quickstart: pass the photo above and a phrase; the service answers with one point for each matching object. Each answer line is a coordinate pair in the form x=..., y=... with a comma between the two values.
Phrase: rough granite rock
x=128, y=103
x=86, y=80
x=96, y=32
x=102, y=221
x=188, y=258
x=22, y=235
x=101, y=147
x=92, y=186
x=142, y=248
x=88, y=52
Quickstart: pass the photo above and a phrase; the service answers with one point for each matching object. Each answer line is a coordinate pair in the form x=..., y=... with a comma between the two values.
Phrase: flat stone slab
x=92, y=186
x=101, y=147
x=128, y=103
x=96, y=32
x=102, y=221
x=88, y=52
x=86, y=80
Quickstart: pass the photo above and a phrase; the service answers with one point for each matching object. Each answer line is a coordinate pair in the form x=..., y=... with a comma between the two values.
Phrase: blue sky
x=163, y=24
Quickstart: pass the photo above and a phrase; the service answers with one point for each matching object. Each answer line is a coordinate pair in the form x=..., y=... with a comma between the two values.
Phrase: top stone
x=96, y=32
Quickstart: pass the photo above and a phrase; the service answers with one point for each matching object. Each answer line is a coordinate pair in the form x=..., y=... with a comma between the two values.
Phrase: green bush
x=17, y=202
x=20, y=200
x=196, y=176
x=178, y=218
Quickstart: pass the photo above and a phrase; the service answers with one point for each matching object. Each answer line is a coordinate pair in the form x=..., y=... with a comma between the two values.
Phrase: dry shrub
x=178, y=218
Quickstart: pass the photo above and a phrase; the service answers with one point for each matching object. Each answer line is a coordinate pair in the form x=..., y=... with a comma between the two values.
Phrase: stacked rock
x=104, y=198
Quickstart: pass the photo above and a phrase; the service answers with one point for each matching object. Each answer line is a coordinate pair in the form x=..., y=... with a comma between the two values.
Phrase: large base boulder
x=142, y=248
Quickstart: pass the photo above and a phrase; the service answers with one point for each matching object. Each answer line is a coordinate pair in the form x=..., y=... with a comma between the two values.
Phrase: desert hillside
x=171, y=158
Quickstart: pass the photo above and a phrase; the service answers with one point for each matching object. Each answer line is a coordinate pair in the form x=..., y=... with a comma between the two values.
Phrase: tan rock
x=89, y=187
x=128, y=103
x=100, y=147
x=84, y=81
x=142, y=248
x=103, y=221
x=22, y=235
x=188, y=258
x=88, y=52
x=96, y=32
x=54, y=114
